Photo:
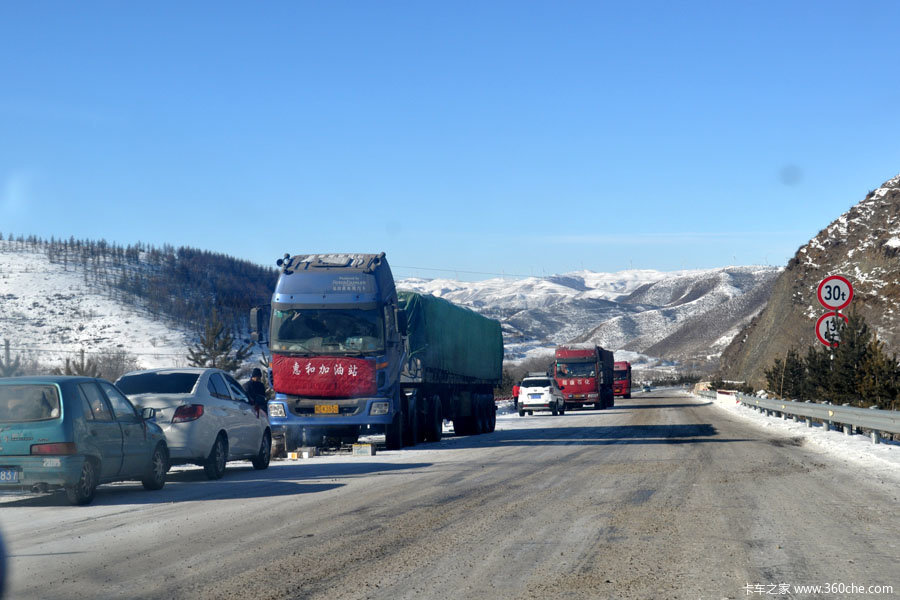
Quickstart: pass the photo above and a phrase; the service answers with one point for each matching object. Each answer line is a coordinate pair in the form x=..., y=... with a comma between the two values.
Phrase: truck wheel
x=411, y=426
x=435, y=420
x=393, y=433
x=479, y=421
x=521, y=413
x=492, y=417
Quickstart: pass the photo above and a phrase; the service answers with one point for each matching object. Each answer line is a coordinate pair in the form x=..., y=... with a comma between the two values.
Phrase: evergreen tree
x=8, y=366
x=787, y=377
x=849, y=356
x=817, y=384
x=880, y=377
x=85, y=367
x=215, y=347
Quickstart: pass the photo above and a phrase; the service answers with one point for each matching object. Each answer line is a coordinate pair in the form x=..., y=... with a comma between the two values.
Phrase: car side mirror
x=148, y=413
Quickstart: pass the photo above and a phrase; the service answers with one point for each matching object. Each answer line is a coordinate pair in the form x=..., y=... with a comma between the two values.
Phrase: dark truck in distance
x=585, y=376
x=351, y=354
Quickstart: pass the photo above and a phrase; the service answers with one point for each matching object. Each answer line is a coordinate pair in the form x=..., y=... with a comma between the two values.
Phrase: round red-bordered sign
x=824, y=325
x=835, y=292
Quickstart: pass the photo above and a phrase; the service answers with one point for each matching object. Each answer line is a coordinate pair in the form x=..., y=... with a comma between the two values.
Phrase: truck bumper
x=361, y=416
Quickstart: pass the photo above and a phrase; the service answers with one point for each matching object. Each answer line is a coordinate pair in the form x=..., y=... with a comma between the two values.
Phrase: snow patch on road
x=881, y=460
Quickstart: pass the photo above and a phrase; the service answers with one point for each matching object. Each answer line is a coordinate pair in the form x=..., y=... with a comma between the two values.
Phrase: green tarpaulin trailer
x=454, y=344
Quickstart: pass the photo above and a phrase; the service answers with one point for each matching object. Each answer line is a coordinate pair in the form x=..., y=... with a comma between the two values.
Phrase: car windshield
x=28, y=402
x=158, y=383
x=327, y=331
x=530, y=383
x=575, y=369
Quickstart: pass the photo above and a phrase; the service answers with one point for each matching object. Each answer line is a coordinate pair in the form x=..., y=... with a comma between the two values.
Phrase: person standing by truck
x=256, y=390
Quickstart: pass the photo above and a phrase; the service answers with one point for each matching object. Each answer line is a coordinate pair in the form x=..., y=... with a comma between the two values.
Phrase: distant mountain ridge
x=863, y=244
x=683, y=315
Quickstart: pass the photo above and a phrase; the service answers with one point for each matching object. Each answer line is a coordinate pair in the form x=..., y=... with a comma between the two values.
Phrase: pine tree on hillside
x=880, y=377
x=817, y=385
x=787, y=377
x=8, y=366
x=215, y=347
x=86, y=367
x=849, y=356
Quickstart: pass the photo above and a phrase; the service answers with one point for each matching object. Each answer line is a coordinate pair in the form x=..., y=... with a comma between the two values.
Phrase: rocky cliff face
x=863, y=245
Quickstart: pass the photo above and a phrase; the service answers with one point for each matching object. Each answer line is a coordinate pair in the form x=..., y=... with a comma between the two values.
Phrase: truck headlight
x=379, y=408
x=276, y=409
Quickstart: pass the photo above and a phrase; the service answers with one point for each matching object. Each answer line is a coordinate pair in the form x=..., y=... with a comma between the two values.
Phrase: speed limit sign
x=827, y=329
x=835, y=292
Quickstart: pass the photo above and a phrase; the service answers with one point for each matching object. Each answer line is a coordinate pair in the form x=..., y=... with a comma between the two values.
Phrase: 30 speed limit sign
x=827, y=329
x=835, y=292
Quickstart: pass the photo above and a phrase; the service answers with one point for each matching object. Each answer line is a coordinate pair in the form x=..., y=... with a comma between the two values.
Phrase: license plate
x=534, y=396
x=9, y=476
x=326, y=409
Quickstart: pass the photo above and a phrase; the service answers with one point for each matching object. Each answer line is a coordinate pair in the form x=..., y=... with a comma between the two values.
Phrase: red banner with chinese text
x=323, y=376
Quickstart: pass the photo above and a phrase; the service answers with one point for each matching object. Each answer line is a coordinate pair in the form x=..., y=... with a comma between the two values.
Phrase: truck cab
x=337, y=347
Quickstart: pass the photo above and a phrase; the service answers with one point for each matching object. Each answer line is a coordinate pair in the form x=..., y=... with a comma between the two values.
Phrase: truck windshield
x=575, y=369
x=620, y=375
x=327, y=331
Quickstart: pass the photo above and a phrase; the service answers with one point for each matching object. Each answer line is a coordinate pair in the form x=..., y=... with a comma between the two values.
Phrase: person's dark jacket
x=256, y=391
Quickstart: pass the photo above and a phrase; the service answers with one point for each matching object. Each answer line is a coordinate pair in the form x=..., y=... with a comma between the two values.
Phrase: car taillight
x=189, y=412
x=60, y=448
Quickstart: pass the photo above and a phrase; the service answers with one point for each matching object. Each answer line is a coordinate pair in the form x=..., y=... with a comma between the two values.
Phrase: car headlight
x=276, y=409
x=379, y=408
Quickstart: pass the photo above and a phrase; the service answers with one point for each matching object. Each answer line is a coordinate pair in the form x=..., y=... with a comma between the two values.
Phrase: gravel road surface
x=663, y=496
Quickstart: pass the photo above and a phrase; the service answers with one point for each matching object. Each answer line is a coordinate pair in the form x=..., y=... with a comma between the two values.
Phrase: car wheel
x=562, y=409
x=83, y=491
x=215, y=462
x=554, y=410
x=159, y=466
x=261, y=460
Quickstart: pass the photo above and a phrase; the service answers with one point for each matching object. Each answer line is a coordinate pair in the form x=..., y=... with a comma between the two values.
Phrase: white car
x=205, y=415
x=540, y=393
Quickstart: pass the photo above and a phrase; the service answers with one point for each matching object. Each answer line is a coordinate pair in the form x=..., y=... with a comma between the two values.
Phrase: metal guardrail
x=878, y=421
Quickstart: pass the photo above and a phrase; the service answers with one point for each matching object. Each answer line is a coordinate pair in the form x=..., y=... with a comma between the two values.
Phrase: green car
x=74, y=433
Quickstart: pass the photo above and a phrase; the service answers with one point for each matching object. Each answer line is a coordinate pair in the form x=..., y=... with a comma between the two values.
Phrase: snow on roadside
x=882, y=460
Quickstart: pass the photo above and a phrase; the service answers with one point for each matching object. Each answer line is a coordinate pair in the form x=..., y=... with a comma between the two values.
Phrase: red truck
x=584, y=374
x=622, y=379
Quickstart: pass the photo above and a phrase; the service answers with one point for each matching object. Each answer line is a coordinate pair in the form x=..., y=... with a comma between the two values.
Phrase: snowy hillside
x=683, y=314
x=48, y=312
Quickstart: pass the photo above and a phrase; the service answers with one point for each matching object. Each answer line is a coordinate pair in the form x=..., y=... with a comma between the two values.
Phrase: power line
x=463, y=271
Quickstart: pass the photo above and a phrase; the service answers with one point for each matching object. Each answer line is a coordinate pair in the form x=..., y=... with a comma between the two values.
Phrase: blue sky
x=461, y=138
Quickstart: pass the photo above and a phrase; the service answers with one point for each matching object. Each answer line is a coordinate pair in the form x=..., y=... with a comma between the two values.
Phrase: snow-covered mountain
x=677, y=315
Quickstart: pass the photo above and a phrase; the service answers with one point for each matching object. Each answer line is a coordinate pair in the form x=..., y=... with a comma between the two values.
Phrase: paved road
x=664, y=496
